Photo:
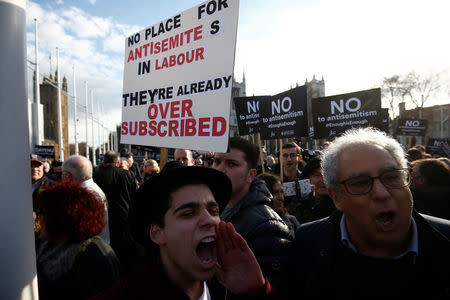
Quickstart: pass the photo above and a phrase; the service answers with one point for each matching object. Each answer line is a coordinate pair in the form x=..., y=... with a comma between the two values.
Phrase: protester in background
x=151, y=168
x=198, y=161
x=270, y=161
x=119, y=187
x=249, y=206
x=78, y=169
x=72, y=261
x=38, y=178
x=291, y=154
x=141, y=166
x=124, y=164
x=291, y=157
x=133, y=166
x=46, y=167
x=177, y=216
x=414, y=154
x=185, y=156
x=275, y=187
x=263, y=157
x=375, y=246
x=431, y=187
x=317, y=204
x=55, y=171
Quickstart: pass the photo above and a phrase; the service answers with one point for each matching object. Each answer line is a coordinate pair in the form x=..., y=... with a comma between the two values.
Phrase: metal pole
x=60, y=131
x=36, y=130
x=75, y=111
x=100, y=144
x=116, y=140
x=17, y=253
x=87, y=120
x=104, y=132
x=94, y=163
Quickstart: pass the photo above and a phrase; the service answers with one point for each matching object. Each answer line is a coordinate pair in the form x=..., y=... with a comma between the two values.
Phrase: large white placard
x=178, y=79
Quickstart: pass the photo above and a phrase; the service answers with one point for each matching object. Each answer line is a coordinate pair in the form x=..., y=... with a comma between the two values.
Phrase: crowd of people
x=362, y=219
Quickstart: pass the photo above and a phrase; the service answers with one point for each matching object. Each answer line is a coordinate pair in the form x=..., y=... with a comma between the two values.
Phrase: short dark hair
x=126, y=154
x=413, y=154
x=251, y=151
x=111, y=157
x=270, y=180
x=292, y=145
x=312, y=165
x=436, y=172
x=153, y=198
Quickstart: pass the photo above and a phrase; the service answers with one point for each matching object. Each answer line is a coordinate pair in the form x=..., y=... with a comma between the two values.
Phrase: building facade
x=49, y=100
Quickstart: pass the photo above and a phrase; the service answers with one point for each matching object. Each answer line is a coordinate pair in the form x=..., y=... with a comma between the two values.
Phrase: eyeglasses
x=292, y=155
x=393, y=179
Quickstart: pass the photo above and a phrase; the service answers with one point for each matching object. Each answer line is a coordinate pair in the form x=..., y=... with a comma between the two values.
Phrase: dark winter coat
x=265, y=232
x=321, y=267
x=119, y=187
x=433, y=201
x=75, y=270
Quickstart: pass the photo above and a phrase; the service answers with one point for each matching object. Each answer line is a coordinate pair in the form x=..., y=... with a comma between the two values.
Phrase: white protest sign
x=178, y=79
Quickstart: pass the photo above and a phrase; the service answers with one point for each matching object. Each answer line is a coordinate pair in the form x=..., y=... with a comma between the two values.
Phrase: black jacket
x=433, y=201
x=263, y=229
x=119, y=186
x=75, y=270
x=315, y=272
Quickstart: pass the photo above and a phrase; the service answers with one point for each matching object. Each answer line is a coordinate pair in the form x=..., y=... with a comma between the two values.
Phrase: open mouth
x=206, y=250
x=385, y=221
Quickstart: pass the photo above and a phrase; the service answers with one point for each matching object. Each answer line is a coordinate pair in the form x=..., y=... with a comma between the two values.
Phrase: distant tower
x=49, y=99
x=238, y=90
x=315, y=89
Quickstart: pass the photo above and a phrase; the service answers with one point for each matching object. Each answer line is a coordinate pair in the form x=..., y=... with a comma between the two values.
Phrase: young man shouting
x=176, y=215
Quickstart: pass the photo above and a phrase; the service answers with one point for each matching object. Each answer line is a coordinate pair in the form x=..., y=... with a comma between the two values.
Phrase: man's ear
x=157, y=235
x=336, y=198
x=251, y=175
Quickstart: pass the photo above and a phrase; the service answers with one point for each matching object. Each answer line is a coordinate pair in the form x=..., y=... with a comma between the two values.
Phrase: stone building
x=49, y=100
x=238, y=90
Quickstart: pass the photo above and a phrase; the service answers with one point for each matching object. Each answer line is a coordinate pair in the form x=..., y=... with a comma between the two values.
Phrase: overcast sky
x=353, y=44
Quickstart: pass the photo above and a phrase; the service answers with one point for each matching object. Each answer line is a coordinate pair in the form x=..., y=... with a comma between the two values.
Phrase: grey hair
x=78, y=166
x=355, y=137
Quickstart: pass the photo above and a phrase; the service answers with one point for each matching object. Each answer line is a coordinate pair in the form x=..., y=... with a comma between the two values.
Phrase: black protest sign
x=333, y=115
x=411, y=127
x=247, y=113
x=284, y=115
x=45, y=151
x=438, y=146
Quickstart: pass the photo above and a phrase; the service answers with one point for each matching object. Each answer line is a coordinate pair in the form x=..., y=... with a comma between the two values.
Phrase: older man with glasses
x=375, y=246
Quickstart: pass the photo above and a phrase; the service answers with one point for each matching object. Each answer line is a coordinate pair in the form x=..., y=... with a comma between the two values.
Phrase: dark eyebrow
x=186, y=205
x=194, y=205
